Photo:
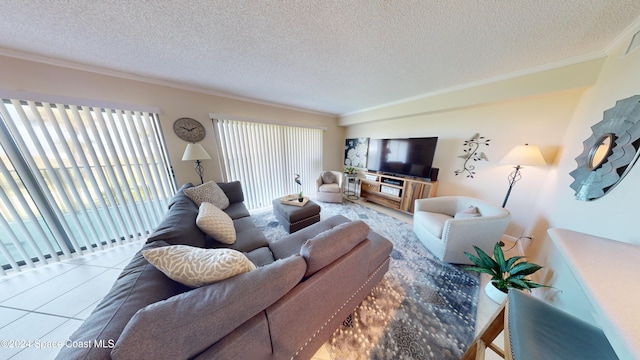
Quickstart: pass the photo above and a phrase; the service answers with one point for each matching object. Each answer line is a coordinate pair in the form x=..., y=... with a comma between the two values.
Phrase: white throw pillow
x=469, y=212
x=208, y=192
x=216, y=223
x=196, y=267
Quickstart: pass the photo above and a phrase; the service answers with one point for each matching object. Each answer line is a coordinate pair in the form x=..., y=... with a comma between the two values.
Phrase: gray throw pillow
x=328, y=177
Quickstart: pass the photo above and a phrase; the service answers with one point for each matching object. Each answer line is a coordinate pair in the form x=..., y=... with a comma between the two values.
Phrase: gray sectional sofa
x=304, y=286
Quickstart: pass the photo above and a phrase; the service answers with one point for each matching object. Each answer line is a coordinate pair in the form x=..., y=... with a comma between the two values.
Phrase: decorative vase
x=494, y=294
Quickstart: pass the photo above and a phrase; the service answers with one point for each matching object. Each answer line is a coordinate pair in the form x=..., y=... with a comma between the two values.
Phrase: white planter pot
x=494, y=294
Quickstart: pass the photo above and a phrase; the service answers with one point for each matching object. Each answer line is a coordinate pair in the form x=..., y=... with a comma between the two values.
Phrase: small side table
x=348, y=190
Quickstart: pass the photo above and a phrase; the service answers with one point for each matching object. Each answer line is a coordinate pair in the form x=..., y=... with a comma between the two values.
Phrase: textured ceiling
x=332, y=56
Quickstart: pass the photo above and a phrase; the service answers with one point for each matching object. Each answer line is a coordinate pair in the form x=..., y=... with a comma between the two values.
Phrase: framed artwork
x=355, y=152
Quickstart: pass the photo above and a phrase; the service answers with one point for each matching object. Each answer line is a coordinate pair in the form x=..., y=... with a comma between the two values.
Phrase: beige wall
x=34, y=77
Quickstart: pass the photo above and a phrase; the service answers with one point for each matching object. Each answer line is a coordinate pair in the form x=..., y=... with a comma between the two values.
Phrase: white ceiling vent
x=635, y=43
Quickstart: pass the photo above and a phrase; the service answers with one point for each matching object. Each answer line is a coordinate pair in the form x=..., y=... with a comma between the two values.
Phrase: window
x=74, y=179
x=266, y=157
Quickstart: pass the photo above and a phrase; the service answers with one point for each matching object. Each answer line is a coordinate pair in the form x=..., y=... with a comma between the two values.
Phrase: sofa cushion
x=248, y=237
x=233, y=190
x=330, y=188
x=208, y=192
x=261, y=256
x=192, y=321
x=216, y=223
x=469, y=212
x=237, y=210
x=328, y=177
x=179, y=225
x=196, y=267
x=432, y=222
x=139, y=285
x=329, y=245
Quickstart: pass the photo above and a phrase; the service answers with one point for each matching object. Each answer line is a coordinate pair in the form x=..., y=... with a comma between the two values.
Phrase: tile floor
x=41, y=307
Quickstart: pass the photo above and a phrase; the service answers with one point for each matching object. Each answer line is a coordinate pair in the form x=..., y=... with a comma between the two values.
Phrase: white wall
x=174, y=103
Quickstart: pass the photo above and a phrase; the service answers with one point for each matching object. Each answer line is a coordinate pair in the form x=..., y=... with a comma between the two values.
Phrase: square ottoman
x=294, y=218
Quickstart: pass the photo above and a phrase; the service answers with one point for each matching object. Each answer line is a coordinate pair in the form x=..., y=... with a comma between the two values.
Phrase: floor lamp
x=523, y=155
x=195, y=152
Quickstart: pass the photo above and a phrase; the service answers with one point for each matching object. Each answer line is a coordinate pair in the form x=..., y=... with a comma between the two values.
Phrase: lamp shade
x=195, y=152
x=524, y=155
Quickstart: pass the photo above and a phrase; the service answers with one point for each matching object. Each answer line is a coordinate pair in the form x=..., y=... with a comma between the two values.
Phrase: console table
x=606, y=269
x=396, y=192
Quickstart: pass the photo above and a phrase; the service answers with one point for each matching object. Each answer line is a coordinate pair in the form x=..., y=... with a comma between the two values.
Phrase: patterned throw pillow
x=216, y=223
x=196, y=267
x=208, y=192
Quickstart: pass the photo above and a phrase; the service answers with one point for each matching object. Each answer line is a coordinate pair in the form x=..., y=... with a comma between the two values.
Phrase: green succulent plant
x=505, y=274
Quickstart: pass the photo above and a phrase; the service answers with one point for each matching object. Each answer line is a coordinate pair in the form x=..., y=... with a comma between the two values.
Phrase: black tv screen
x=409, y=157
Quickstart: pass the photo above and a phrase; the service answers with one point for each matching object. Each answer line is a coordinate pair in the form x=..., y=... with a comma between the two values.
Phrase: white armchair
x=329, y=186
x=448, y=227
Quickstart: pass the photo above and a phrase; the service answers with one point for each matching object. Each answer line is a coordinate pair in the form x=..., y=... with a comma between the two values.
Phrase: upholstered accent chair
x=329, y=186
x=450, y=225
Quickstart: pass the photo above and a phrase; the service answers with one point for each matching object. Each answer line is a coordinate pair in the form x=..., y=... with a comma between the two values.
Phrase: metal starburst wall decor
x=471, y=154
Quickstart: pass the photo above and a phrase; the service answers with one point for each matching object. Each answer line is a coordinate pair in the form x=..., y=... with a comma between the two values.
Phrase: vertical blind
x=266, y=157
x=74, y=179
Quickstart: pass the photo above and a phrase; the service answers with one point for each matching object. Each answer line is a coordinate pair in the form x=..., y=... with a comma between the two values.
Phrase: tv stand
x=394, y=191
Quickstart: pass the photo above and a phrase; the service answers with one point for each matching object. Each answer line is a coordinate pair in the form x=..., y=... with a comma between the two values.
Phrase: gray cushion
x=329, y=245
x=248, y=237
x=179, y=225
x=237, y=210
x=233, y=190
x=260, y=256
x=139, y=285
x=328, y=177
x=185, y=325
x=538, y=330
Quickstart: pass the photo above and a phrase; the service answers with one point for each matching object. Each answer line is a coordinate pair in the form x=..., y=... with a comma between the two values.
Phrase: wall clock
x=189, y=130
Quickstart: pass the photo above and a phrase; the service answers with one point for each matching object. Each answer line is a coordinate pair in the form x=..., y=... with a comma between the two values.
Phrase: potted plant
x=350, y=170
x=505, y=273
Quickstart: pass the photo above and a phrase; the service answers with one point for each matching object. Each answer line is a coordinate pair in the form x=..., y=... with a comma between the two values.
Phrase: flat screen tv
x=404, y=157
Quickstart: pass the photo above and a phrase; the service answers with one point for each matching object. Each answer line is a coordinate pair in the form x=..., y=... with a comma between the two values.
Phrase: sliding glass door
x=74, y=179
x=267, y=157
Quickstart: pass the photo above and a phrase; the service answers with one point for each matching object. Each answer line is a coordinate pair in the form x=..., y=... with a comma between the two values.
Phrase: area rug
x=422, y=309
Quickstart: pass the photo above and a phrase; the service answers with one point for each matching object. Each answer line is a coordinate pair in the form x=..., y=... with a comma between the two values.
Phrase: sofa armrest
x=484, y=231
x=290, y=244
x=330, y=245
x=187, y=324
